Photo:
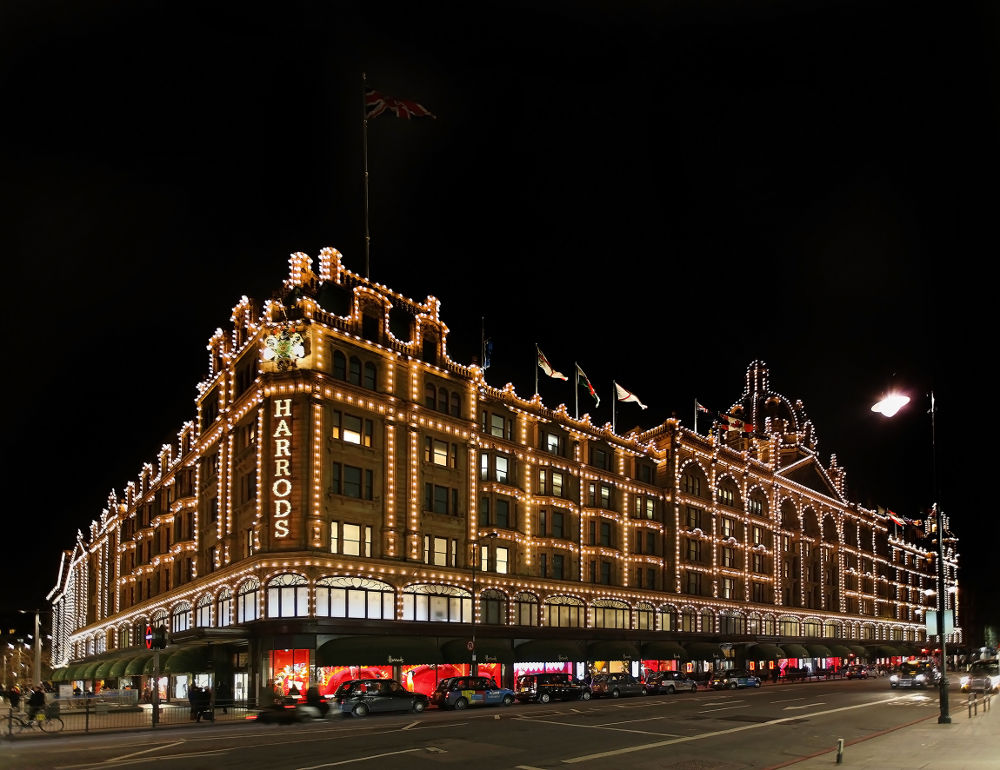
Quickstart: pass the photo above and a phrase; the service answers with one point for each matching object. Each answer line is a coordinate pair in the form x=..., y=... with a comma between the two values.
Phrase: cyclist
x=36, y=701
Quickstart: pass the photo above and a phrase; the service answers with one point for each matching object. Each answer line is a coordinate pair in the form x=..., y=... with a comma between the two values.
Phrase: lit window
x=502, y=556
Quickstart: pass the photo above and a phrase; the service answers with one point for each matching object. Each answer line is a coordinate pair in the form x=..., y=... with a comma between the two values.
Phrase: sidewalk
x=968, y=743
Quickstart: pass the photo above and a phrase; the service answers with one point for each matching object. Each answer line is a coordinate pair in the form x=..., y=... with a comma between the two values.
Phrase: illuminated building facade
x=348, y=495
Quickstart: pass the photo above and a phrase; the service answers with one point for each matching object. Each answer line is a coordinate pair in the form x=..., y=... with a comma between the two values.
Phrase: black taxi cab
x=458, y=692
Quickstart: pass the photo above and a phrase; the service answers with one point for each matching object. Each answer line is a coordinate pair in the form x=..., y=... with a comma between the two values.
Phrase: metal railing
x=975, y=701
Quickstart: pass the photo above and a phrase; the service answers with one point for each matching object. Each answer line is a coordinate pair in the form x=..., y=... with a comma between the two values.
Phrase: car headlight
x=965, y=681
x=921, y=678
x=894, y=678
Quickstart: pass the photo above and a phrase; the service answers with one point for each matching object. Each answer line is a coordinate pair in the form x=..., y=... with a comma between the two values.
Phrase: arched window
x=354, y=371
x=430, y=395
x=203, y=612
x=456, y=405
x=347, y=597
x=339, y=365
x=492, y=608
x=180, y=619
x=667, y=617
x=811, y=627
x=224, y=608
x=437, y=603
x=526, y=609
x=442, y=405
x=689, y=620
x=287, y=596
x=789, y=626
x=139, y=632
x=610, y=613
x=754, y=624
x=732, y=622
x=644, y=616
x=564, y=612
x=371, y=376
x=707, y=621
x=246, y=601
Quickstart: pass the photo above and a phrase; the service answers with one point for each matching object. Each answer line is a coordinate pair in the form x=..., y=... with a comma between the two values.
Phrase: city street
x=760, y=728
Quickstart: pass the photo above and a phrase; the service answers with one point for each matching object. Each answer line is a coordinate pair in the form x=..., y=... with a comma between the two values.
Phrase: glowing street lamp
x=888, y=407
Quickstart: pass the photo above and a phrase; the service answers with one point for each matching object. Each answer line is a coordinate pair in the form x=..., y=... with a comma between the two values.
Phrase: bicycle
x=44, y=722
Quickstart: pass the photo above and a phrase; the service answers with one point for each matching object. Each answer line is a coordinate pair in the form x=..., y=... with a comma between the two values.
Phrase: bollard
x=840, y=751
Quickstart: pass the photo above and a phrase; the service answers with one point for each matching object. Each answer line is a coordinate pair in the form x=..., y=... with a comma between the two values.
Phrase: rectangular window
x=651, y=578
x=552, y=442
x=600, y=458
x=503, y=513
x=437, y=497
x=606, y=573
x=502, y=556
x=502, y=465
x=605, y=496
x=694, y=583
x=484, y=467
x=758, y=562
x=557, y=524
x=543, y=564
x=484, y=512
x=334, y=537
x=557, y=484
x=542, y=522
x=693, y=517
x=728, y=527
x=757, y=592
x=694, y=550
x=651, y=542
x=352, y=540
x=437, y=452
x=558, y=561
x=644, y=472
x=497, y=426
x=758, y=535
x=728, y=588
x=728, y=557
x=606, y=534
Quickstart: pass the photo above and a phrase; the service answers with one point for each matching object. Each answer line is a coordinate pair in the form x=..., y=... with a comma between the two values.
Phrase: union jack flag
x=376, y=103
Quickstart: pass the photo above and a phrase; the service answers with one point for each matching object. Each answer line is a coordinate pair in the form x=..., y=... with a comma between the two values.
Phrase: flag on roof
x=735, y=423
x=627, y=395
x=896, y=518
x=546, y=367
x=487, y=353
x=583, y=379
x=701, y=408
x=376, y=103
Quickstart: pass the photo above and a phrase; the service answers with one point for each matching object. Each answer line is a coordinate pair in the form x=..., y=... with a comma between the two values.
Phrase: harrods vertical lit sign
x=281, y=487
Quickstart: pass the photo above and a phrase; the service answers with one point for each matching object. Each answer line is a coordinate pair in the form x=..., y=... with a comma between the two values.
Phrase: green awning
x=883, y=651
x=605, y=650
x=136, y=665
x=147, y=667
x=188, y=660
x=58, y=675
x=118, y=667
x=793, y=650
x=487, y=651
x=378, y=650
x=87, y=670
x=704, y=650
x=663, y=650
x=549, y=651
x=104, y=669
x=69, y=673
x=840, y=650
x=859, y=651
x=819, y=651
x=763, y=651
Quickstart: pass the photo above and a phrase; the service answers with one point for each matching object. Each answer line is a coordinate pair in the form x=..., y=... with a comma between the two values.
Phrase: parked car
x=457, y=692
x=362, y=697
x=732, y=678
x=616, y=685
x=982, y=676
x=669, y=682
x=288, y=713
x=546, y=687
x=857, y=671
x=918, y=674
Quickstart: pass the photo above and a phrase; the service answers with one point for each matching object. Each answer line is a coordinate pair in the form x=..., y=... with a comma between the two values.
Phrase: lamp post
x=476, y=558
x=888, y=407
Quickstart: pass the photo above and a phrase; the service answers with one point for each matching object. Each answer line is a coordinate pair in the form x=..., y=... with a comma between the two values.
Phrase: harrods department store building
x=348, y=497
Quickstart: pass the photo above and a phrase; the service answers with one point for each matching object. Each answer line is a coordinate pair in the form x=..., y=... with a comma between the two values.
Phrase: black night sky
x=660, y=192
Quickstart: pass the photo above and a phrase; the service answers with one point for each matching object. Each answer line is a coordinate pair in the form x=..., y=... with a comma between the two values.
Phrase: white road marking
x=804, y=706
x=702, y=736
x=360, y=759
x=144, y=751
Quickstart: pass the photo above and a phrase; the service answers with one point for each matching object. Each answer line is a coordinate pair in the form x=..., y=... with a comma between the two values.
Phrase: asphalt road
x=770, y=727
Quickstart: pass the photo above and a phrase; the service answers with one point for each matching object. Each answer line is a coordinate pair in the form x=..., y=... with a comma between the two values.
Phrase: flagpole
x=536, y=368
x=614, y=400
x=364, y=151
x=576, y=388
x=482, y=341
x=696, y=415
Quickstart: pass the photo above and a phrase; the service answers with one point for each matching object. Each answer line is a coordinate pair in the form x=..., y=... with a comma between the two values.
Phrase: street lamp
x=476, y=558
x=888, y=407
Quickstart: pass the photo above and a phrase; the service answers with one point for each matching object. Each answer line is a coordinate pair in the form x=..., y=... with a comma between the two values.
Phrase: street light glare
x=891, y=404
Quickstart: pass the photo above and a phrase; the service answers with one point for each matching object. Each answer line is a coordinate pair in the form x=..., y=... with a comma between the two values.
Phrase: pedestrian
x=194, y=701
x=36, y=701
x=222, y=696
x=14, y=696
x=774, y=674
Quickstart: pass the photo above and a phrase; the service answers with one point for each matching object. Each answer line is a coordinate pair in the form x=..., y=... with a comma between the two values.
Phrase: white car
x=982, y=676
